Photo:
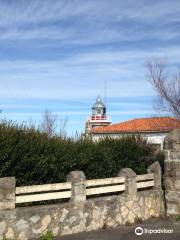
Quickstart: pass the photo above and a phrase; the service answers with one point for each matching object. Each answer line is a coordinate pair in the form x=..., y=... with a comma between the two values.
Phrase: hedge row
x=34, y=158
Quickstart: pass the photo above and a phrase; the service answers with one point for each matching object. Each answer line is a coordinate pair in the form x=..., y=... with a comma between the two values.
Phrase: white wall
x=154, y=138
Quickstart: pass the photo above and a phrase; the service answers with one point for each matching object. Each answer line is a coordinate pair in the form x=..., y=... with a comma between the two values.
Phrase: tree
x=52, y=126
x=49, y=123
x=168, y=89
x=62, y=126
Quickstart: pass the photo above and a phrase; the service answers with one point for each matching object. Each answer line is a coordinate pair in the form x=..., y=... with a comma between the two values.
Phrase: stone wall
x=31, y=222
x=80, y=214
x=172, y=172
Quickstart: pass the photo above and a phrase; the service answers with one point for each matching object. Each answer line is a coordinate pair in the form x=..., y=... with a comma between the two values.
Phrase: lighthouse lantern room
x=98, y=117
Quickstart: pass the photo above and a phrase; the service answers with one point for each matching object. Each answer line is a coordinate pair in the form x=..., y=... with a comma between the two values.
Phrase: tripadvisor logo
x=139, y=231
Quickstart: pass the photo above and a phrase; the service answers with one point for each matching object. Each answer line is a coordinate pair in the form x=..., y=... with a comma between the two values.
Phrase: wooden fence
x=64, y=190
x=43, y=192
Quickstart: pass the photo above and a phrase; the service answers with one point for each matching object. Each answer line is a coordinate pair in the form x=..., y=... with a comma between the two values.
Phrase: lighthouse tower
x=98, y=117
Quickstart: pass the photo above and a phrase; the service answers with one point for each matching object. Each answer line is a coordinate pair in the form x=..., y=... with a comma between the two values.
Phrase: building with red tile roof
x=154, y=124
x=154, y=129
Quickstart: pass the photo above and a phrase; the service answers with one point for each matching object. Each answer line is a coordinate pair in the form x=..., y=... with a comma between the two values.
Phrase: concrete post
x=130, y=180
x=7, y=193
x=78, y=190
x=156, y=169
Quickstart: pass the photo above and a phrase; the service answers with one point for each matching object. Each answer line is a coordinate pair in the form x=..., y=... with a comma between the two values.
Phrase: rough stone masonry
x=31, y=222
x=81, y=214
x=172, y=172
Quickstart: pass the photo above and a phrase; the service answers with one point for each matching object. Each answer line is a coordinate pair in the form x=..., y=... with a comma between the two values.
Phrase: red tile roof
x=155, y=124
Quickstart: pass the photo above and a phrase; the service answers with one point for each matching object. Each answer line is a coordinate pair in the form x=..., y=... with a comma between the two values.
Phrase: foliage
x=34, y=158
x=177, y=218
x=48, y=236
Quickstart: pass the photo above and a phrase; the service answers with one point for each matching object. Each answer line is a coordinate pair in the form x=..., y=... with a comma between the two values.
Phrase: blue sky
x=56, y=55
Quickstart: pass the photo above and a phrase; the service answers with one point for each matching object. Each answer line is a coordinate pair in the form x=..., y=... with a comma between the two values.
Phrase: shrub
x=48, y=236
x=34, y=158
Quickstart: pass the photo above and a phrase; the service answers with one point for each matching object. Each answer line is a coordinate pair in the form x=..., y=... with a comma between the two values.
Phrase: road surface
x=128, y=232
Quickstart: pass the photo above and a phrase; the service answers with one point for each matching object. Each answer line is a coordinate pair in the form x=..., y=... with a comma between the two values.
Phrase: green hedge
x=33, y=158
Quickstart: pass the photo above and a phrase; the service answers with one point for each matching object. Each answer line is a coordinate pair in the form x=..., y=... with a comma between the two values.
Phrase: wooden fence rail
x=43, y=188
x=43, y=197
x=105, y=181
x=64, y=190
x=144, y=177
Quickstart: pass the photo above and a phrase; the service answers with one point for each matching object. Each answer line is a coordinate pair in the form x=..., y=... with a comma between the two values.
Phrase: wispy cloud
x=65, y=50
x=81, y=75
x=88, y=22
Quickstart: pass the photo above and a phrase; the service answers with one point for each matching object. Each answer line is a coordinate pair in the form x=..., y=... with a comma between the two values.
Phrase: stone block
x=172, y=140
x=172, y=172
x=130, y=180
x=156, y=169
x=7, y=193
x=173, y=196
x=78, y=190
x=172, y=209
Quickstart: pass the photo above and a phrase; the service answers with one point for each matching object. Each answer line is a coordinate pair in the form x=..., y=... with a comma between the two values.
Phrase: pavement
x=128, y=232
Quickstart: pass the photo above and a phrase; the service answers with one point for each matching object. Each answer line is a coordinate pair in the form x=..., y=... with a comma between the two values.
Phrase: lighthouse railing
x=100, y=118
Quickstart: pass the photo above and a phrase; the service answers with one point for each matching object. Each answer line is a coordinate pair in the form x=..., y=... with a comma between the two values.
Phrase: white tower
x=98, y=117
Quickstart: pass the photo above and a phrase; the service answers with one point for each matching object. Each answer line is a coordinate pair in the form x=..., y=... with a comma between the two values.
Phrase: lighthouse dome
x=99, y=107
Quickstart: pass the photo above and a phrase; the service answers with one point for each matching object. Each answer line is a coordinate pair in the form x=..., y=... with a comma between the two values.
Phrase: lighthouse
x=98, y=117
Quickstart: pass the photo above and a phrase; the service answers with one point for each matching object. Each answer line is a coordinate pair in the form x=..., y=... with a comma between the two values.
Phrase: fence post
x=7, y=193
x=156, y=169
x=78, y=189
x=130, y=180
